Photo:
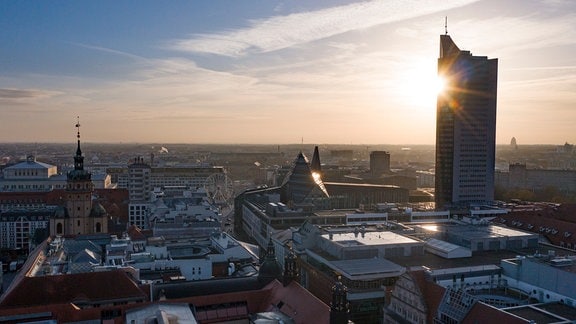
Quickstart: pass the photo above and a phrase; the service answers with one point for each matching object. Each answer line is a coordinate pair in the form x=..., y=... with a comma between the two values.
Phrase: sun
x=420, y=85
x=439, y=84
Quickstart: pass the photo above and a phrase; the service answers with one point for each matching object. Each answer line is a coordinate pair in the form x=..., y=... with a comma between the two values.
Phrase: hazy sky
x=264, y=71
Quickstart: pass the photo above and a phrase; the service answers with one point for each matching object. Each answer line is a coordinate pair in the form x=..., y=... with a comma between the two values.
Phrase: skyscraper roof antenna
x=446, y=25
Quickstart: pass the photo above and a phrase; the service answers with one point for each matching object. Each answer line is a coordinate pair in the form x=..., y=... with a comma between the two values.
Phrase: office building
x=143, y=179
x=465, y=128
x=379, y=163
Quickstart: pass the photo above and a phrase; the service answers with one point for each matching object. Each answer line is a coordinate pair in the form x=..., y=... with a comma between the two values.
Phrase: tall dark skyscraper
x=465, y=127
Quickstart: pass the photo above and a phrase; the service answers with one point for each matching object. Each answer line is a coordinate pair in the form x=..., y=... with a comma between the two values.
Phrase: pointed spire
x=315, y=165
x=78, y=151
x=78, y=159
x=270, y=268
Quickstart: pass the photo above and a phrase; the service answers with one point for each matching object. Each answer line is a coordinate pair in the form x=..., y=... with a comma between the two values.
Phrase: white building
x=34, y=176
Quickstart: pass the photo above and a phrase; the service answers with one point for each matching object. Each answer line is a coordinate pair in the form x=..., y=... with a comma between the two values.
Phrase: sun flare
x=439, y=84
x=420, y=85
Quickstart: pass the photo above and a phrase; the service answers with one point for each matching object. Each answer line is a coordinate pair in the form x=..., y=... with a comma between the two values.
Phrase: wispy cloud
x=112, y=51
x=522, y=33
x=274, y=33
x=23, y=94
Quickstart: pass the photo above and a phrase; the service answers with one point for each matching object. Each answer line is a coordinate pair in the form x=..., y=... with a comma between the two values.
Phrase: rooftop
x=545, y=313
x=75, y=288
x=361, y=269
x=31, y=164
x=477, y=231
x=367, y=269
x=368, y=238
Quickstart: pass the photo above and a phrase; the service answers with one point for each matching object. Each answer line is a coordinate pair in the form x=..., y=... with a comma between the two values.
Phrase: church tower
x=291, y=272
x=270, y=269
x=79, y=216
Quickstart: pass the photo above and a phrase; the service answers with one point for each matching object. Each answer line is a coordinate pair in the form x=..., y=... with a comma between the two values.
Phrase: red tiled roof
x=556, y=224
x=135, y=233
x=298, y=303
x=292, y=300
x=93, y=287
x=254, y=298
x=62, y=312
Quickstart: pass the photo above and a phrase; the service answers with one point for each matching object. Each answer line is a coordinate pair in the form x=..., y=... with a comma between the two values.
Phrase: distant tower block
x=379, y=163
x=513, y=143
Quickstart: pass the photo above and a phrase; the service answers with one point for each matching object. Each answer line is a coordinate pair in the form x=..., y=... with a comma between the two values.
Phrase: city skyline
x=251, y=72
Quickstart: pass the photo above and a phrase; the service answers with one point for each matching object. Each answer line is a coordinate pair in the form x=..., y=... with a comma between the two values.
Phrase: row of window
x=24, y=173
x=27, y=186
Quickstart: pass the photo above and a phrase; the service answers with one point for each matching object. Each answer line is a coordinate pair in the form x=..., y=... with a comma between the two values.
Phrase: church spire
x=270, y=269
x=78, y=159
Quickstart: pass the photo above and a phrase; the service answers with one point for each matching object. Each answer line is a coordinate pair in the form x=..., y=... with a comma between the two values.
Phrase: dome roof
x=61, y=212
x=270, y=268
x=97, y=210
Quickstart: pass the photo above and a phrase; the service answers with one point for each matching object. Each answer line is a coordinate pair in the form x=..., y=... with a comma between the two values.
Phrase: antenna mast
x=446, y=25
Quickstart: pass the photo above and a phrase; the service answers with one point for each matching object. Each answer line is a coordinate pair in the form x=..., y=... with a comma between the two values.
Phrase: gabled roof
x=556, y=224
x=86, y=256
x=30, y=164
x=431, y=292
x=292, y=300
x=71, y=288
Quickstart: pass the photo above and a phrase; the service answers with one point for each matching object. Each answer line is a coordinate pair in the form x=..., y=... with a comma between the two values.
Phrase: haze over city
x=274, y=71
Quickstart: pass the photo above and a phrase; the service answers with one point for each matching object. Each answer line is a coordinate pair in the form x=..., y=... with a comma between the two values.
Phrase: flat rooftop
x=361, y=269
x=475, y=231
x=367, y=269
x=544, y=313
x=435, y=262
x=368, y=238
